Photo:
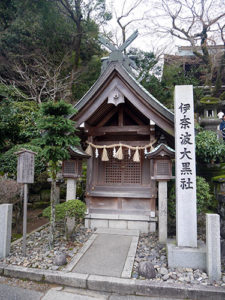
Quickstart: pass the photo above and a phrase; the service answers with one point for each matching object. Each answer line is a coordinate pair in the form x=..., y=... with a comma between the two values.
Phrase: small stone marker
x=213, y=254
x=186, y=215
x=5, y=229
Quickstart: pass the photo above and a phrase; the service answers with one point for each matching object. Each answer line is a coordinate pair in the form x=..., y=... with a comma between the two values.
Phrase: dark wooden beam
x=130, y=143
x=137, y=129
x=134, y=117
x=107, y=117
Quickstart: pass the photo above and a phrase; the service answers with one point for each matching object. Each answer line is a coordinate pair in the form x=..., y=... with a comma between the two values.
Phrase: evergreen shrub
x=71, y=208
x=209, y=148
x=203, y=195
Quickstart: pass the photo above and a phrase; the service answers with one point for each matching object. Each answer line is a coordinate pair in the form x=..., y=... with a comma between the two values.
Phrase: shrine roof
x=162, y=147
x=78, y=152
x=116, y=67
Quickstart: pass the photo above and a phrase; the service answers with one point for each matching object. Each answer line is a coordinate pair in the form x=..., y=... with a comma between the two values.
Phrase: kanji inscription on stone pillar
x=186, y=215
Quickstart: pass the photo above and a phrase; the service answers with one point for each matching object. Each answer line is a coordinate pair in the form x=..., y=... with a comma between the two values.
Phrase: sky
x=148, y=39
x=148, y=14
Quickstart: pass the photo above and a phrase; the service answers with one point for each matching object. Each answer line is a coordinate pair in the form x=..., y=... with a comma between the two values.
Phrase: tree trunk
x=52, y=221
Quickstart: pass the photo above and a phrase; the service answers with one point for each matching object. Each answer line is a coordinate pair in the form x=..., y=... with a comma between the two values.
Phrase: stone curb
x=127, y=270
x=115, y=285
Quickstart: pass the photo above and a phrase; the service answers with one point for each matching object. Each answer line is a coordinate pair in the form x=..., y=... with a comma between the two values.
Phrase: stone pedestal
x=213, y=256
x=186, y=257
x=71, y=189
x=5, y=229
x=162, y=202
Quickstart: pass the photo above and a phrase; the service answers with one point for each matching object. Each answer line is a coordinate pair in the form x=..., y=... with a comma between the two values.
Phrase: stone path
x=8, y=292
x=111, y=252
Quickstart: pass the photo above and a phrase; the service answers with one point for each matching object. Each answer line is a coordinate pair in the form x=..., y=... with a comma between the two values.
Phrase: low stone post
x=71, y=186
x=213, y=255
x=5, y=229
x=162, y=202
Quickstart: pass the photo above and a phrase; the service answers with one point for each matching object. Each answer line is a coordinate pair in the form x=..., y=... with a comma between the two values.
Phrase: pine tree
x=58, y=134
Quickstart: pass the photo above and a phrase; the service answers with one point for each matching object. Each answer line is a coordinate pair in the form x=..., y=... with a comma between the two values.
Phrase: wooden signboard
x=25, y=174
x=25, y=166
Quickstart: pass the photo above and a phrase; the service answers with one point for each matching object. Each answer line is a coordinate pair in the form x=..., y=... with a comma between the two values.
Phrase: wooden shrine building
x=121, y=123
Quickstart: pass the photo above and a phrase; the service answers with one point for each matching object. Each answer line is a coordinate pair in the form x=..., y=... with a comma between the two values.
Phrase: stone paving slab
x=81, y=252
x=8, y=292
x=106, y=256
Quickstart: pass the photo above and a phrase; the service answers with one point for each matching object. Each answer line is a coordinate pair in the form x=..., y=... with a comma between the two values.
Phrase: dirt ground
x=34, y=220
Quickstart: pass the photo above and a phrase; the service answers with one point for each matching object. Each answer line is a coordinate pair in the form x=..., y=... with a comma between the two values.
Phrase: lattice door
x=122, y=171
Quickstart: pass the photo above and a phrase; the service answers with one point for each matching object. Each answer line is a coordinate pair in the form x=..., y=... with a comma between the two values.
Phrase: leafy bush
x=8, y=160
x=71, y=208
x=202, y=194
x=17, y=122
x=208, y=147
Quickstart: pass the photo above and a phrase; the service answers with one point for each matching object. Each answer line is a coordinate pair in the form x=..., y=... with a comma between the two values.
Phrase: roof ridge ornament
x=117, y=54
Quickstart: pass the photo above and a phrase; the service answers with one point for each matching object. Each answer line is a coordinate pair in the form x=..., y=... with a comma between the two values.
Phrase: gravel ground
x=39, y=254
x=149, y=249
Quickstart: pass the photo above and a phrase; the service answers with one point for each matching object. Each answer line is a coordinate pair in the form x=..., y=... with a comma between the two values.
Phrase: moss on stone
x=220, y=178
x=209, y=100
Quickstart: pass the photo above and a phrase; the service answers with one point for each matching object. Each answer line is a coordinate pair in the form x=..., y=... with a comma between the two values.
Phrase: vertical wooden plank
x=120, y=116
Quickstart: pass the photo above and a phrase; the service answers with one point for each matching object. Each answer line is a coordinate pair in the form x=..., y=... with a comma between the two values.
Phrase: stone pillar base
x=186, y=257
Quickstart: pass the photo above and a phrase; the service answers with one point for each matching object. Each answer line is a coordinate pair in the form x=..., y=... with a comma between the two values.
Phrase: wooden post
x=25, y=218
x=25, y=175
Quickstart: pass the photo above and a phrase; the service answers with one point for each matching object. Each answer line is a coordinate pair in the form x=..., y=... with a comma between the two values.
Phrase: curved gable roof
x=130, y=81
